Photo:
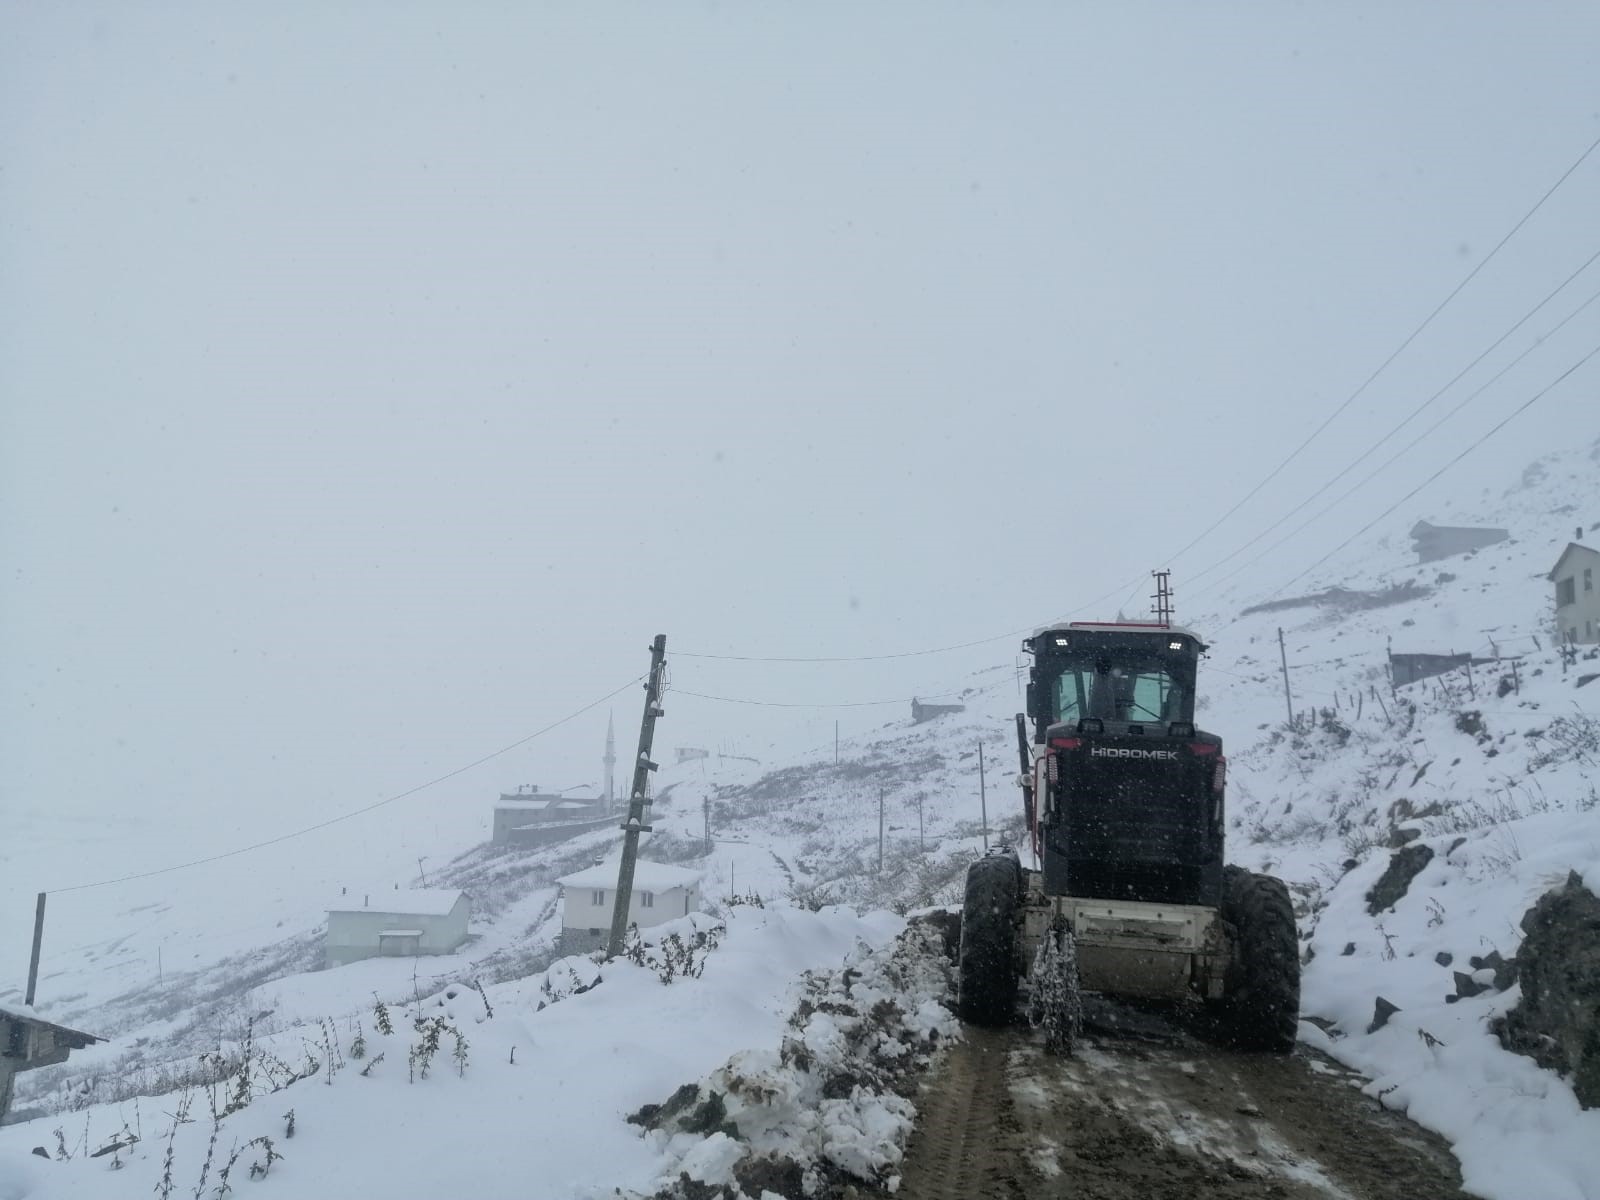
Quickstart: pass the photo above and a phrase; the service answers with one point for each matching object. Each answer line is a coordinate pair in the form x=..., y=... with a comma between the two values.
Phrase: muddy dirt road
x=1159, y=1115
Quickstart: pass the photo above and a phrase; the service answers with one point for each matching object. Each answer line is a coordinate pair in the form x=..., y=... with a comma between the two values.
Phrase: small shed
x=661, y=893
x=1576, y=576
x=921, y=712
x=1433, y=542
x=396, y=924
x=28, y=1041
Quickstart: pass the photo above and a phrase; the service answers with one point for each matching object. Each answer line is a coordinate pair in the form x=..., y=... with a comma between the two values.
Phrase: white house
x=396, y=924
x=1577, y=579
x=661, y=893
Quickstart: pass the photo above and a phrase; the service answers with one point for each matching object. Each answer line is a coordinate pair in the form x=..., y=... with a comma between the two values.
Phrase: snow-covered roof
x=24, y=1012
x=423, y=902
x=1562, y=561
x=650, y=876
x=527, y=802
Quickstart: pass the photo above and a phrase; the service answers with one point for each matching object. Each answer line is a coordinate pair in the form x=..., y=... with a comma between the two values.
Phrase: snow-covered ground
x=1500, y=785
x=537, y=1108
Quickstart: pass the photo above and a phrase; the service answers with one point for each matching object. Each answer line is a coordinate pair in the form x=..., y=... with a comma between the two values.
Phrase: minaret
x=611, y=758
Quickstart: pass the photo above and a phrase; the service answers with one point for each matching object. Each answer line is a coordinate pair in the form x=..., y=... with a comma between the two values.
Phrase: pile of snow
x=830, y=1104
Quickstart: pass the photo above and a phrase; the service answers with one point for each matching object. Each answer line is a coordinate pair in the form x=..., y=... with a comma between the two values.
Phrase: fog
x=375, y=380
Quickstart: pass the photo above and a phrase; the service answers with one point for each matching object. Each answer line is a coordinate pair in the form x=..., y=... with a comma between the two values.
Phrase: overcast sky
x=376, y=380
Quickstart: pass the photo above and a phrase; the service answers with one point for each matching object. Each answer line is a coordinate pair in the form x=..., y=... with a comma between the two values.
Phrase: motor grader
x=1126, y=893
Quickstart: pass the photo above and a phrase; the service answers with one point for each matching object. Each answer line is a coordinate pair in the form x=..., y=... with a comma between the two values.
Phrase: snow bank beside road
x=830, y=1105
x=550, y=1123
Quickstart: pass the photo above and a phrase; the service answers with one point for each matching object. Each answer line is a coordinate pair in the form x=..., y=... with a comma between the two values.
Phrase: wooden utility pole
x=919, y=822
x=983, y=799
x=1283, y=656
x=1163, y=597
x=880, y=831
x=836, y=742
x=634, y=825
x=38, y=940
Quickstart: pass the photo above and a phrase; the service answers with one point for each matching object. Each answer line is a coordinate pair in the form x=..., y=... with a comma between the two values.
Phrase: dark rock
x=1557, y=1021
x=1402, y=836
x=1382, y=1010
x=769, y=1174
x=1490, y=961
x=708, y=1118
x=1403, y=867
x=655, y=1116
x=41, y=1152
x=1349, y=949
x=1444, y=958
x=1455, y=845
x=1466, y=985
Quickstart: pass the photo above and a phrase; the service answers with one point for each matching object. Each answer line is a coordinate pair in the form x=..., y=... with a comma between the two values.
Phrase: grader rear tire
x=986, y=967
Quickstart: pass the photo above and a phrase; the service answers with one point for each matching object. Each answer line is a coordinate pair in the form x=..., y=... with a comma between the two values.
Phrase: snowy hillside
x=1494, y=773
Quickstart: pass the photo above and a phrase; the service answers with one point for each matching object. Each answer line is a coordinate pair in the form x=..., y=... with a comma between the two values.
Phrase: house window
x=647, y=899
x=16, y=1040
x=1588, y=579
x=1566, y=592
x=598, y=899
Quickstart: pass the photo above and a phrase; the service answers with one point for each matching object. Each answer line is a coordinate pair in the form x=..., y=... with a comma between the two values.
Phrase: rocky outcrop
x=1405, y=866
x=1557, y=1022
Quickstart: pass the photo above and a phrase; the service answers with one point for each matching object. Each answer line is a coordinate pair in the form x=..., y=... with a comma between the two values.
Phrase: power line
x=1383, y=366
x=1396, y=457
x=843, y=658
x=1417, y=411
x=841, y=703
x=1522, y=408
x=478, y=762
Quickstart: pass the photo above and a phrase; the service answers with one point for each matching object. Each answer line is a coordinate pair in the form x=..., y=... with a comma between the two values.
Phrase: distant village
x=417, y=922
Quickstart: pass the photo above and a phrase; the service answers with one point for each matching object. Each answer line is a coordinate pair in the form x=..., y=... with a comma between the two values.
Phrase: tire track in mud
x=1167, y=1117
x=965, y=1145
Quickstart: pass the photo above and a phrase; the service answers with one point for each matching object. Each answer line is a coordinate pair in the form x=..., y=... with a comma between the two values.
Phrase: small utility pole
x=707, y=805
x=880, y=831
x=836, y=743
x=38, y=939
x=1163, y=597
x=920, y=796
x=1283, y=656
x=634, y=825
x=983, y=799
